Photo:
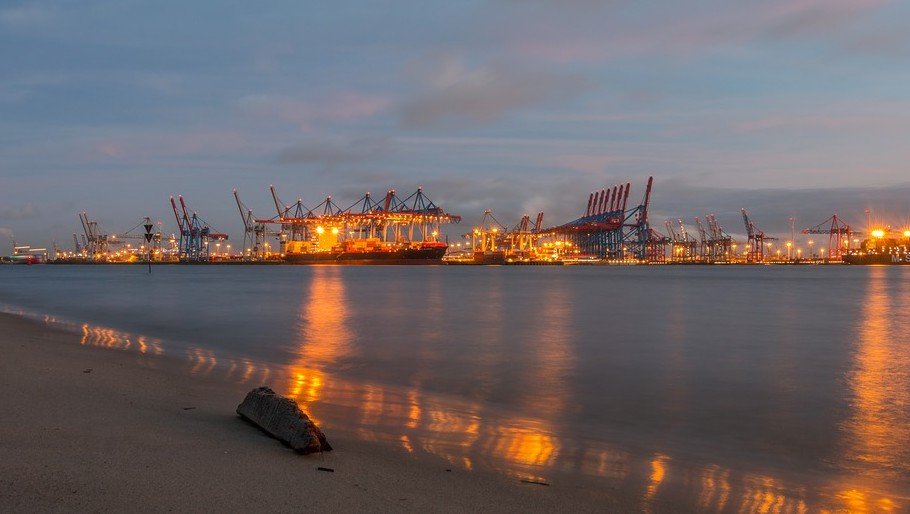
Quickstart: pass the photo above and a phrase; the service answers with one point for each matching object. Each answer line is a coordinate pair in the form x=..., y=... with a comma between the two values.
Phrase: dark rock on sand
x=281, y=418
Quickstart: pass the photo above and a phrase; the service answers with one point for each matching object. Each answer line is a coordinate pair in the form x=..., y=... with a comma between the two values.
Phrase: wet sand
x=86, y=428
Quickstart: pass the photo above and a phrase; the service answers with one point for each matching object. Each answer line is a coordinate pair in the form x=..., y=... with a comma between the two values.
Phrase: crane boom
x=673, y=236
x=246, y=216
x=177, y=215
x=683, y=231
x=702, y=233
x=750, y=229
x=278, y=205
x=538, y=225
x=646, y=201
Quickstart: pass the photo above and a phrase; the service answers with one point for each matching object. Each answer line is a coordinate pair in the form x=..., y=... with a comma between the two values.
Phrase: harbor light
x=907, y=233
x=878, y=233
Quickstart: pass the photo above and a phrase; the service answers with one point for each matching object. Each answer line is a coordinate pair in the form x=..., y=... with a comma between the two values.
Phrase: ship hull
x=880, y=258
x=407, y=256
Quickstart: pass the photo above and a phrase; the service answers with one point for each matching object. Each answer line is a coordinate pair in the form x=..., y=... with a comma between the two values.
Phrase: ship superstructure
x=884, y=247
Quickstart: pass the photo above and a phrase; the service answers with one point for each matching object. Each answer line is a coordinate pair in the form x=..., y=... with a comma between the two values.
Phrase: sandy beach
x=92, y=429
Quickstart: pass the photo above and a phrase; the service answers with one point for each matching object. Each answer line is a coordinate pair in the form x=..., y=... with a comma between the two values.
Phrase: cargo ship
x=364, y=252
x=25, y=255
x=881, y=248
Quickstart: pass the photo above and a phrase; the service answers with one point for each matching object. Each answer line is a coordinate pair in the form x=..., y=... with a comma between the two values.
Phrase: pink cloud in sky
x=451, y=91
x=584, y=163
x=337, y=107
x=684, y=33
x=852, y=122
x=144, y=146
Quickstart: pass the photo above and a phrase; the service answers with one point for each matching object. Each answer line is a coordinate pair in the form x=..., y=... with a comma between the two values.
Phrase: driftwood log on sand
x=281, y=418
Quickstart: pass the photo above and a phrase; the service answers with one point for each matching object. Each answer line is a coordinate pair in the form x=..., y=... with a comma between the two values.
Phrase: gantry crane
x=487, y=236
x=757, y=238
x=682, y=247
x=151, y=239
x=291, y=219
x=195, y=234
x=255, y=232
x=610, y=230
x=704, y=253
x=96, y=243
x=719, y=242
x=393, y=221
x=840, y=235
x=522, y=240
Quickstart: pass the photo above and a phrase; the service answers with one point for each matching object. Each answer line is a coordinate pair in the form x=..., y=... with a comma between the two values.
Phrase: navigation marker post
x=148, y=239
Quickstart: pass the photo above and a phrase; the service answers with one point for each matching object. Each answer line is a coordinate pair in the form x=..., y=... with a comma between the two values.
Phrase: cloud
x=571, y=34
x=26, y=15
x=331, y=153
x=585, y=163
x=337, y=107
x=151, y=146
x=852, y=123
x=453, y=92
x=795, y=18
x=26, y=211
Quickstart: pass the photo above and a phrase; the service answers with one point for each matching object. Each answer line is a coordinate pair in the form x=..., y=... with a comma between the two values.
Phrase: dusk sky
x=785, y=107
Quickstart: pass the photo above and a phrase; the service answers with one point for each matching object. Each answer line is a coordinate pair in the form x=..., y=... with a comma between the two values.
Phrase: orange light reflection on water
x=94, y=335
x=878, y=431
x=658, y=473
x=466, y=431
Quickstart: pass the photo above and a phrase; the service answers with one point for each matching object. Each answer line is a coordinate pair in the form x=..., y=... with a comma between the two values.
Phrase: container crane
x=414, y=220
x=96, y=243
x=487, y=236
x=610, y=230
x=255, y=232
x=840, y=235
x=195, y=234
x=522, y=239
x=138, y=233
x=690, y=245
x=703, y=252
x=757, y=240
x=720, y=243
x=292, y=219
x=675, y=248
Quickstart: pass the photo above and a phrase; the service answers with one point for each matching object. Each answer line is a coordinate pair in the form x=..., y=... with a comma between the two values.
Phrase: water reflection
x=325, y=337
x=715, y=489
x=486, y=341
x=530, y=437
x=658, y=473
x=878, y=430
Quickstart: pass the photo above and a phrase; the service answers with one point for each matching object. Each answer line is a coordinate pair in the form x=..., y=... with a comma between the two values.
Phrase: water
x=721, y=388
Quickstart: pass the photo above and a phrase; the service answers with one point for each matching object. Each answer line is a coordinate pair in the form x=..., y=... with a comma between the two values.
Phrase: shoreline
x=804, y=262
x=92, y=429
x=438, y=451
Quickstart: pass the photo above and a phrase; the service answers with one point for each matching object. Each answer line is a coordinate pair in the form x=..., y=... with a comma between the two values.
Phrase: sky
x=790, y=108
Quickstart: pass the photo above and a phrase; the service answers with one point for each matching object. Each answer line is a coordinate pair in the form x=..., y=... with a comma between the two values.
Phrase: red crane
x=757, y=240
x=839, y=233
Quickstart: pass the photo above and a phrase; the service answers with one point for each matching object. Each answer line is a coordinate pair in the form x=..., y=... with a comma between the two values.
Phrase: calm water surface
x=745, y=389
